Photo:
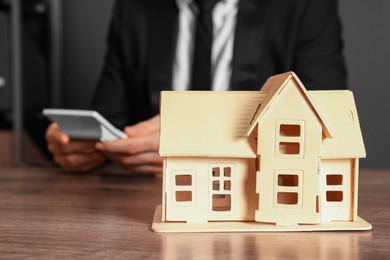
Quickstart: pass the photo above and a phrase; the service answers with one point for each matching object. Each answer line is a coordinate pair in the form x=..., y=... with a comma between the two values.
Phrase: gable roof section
x=207, y=123
x=273, y=87
x=339, y=110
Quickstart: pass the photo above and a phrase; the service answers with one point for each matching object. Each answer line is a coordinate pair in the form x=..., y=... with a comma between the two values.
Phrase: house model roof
x=206, y=123
x=219, y=124
x=273, y=87
x=339, y=111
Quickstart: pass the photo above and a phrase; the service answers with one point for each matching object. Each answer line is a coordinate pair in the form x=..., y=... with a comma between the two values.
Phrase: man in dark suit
x=270, y=37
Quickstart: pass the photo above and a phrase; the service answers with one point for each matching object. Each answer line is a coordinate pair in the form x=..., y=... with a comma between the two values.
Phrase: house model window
x=289, y=138
x=183, y=188
x=335, y=189
x=288, y=189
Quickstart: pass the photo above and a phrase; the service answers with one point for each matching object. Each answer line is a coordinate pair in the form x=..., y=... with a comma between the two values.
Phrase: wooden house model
x=282, y=158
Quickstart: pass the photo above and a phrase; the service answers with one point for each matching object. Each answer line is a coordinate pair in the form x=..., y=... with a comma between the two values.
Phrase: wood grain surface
x=46, y=214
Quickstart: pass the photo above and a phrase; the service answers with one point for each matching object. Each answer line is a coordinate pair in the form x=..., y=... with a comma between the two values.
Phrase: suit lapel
x=162, y=22
x=249, y=38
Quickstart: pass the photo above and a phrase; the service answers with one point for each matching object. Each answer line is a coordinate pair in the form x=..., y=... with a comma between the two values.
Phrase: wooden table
x=45, y=214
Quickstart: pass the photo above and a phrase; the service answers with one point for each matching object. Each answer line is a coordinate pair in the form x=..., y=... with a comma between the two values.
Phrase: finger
x=74, y=146
x=77, y=146
x=153, y=169
x=55, y=135
x=150, y=158
x=145, y=127
x=134, y=145
x=79, y=162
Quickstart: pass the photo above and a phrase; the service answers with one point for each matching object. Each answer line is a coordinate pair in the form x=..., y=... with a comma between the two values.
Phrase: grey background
x=367, y=48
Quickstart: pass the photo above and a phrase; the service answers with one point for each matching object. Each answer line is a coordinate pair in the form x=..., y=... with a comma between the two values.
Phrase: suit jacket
x=272, y=36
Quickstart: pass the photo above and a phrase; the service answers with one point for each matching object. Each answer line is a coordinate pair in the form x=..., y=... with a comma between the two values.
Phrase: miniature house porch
x=281, y=155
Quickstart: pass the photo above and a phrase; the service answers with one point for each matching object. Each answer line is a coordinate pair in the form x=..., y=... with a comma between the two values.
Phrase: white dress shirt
x=224, y=24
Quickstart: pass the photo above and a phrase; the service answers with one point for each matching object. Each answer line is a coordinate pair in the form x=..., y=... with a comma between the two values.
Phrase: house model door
x=336, y=199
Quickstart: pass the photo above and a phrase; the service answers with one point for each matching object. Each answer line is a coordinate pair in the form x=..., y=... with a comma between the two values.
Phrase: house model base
x=239, y=226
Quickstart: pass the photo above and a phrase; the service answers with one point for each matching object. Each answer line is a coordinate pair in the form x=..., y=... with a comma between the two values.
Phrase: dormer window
x=289, y=138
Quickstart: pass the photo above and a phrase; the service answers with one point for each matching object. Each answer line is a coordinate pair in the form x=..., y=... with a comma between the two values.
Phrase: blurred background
x=63, y=45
